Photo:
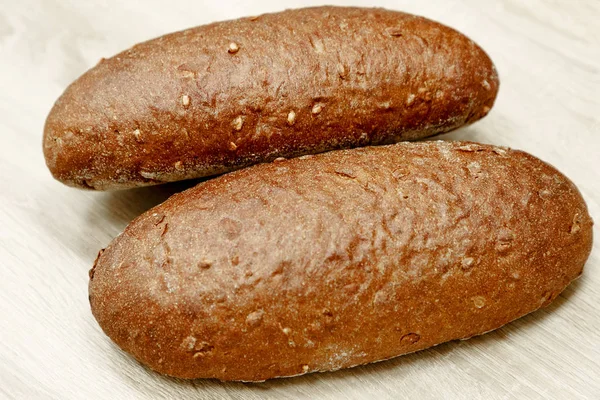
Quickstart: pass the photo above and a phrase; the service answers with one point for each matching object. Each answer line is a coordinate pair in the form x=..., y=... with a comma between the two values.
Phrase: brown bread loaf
x=340, y=259
x=219, y=97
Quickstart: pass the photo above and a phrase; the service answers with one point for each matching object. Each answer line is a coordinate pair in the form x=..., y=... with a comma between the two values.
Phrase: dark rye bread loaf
x=339, y=259
x=219, y=97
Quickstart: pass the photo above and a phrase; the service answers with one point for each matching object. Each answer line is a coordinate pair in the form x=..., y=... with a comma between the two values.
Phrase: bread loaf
x=219, y=97
x=339, y=259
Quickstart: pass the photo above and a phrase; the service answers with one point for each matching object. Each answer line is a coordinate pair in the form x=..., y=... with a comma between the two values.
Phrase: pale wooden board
x=548, y=56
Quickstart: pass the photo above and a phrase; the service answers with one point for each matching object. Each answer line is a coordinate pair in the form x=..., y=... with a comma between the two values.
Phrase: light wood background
x=548, y=57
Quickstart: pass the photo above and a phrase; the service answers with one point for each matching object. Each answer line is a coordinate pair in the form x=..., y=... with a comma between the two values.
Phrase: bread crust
x=219, y=97
x=339, y=259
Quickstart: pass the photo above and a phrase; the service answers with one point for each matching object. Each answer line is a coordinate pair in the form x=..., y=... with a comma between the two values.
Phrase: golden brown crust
x=222, y=96
x=339, y=259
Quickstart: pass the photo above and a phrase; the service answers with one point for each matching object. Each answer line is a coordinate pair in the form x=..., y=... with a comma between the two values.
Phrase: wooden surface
x=548, y=57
